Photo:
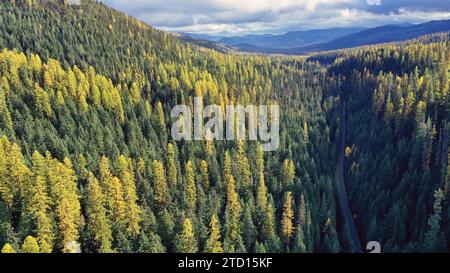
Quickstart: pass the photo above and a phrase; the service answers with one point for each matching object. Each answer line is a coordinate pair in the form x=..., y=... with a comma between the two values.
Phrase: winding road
x=343, y=198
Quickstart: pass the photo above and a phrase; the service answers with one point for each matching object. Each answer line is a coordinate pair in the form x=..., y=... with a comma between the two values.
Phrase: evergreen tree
x=233, y=239
x=299, y=241
x=191, y=190
x=115, y=201
x=144, y=244
x=159, y=184
x=44, y=223
x=160, y=116
x=268, y=226
x=105, y=173
x=30, y=245
x=155, y=244
x=433, y=235
x=185, y=241
x=288, y=173
x=243, y=168
x=286, y=221
x=213, y=244
x=205, y=175
x=259, y=160
x=64, y=192
x=132, y=209
x=261, y=194
x=97, y=221
x=302, y=212
x=227, y=169
x=171, y=166
x=135, y=93
x=7, y=190
x=305, y=133
x=8, y=249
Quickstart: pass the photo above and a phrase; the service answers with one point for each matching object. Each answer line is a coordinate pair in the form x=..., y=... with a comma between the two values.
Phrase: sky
x=241, y=17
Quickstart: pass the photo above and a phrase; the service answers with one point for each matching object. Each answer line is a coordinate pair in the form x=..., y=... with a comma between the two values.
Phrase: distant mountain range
x=203, y=42
x=288, y=40
x=300, y=42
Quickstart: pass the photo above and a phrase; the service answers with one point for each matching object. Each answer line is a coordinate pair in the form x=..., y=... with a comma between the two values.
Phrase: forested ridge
x=398, y=142
x=87, y=162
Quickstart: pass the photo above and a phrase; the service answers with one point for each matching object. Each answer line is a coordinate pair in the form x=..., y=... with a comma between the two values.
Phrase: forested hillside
x=92, y=88
x=87, y=162
x=398, y=142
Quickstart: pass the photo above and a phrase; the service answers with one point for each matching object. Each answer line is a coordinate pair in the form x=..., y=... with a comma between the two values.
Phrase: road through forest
x=342, y=193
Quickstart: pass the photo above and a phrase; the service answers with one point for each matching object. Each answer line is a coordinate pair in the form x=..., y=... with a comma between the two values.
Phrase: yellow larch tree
x=191, y=189
x=97, y=221
x=205, y=175
x=213, y=244
x=132, y=209
x=159, y=184
x=171, y=165
x=286, y=221
x=30, y=245
x=185, y=241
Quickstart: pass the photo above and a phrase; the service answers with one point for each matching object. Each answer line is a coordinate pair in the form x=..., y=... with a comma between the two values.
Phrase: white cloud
x=374, y=2
x=235, y=17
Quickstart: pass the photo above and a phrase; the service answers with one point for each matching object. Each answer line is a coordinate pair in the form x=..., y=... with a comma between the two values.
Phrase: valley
x=88, y=162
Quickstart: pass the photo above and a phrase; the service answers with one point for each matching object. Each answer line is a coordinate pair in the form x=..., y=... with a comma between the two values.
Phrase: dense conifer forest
x=87, y=162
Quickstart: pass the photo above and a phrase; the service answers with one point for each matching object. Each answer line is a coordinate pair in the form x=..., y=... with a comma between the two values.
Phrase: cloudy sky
x=238, y=17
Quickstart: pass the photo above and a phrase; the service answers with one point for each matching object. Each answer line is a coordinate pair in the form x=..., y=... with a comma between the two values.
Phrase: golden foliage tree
x=115, y=201
x=191, y=189
x=8, y=249
x=63, y=189
x=42, y=101
x=205, y=174
x=233, y=238
x=213, y=244
x=160, y=116
x=159, y=184
x=171, y=165
x=288, y=172
x=97, y=221
x=227, y=169
x=185, y=241
x=44, y=223
x=132, y=209
x=243, y=167
x=105, y=172
x=286, y=221
x=14, y=174
x=268, y=227
x=30, y=245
